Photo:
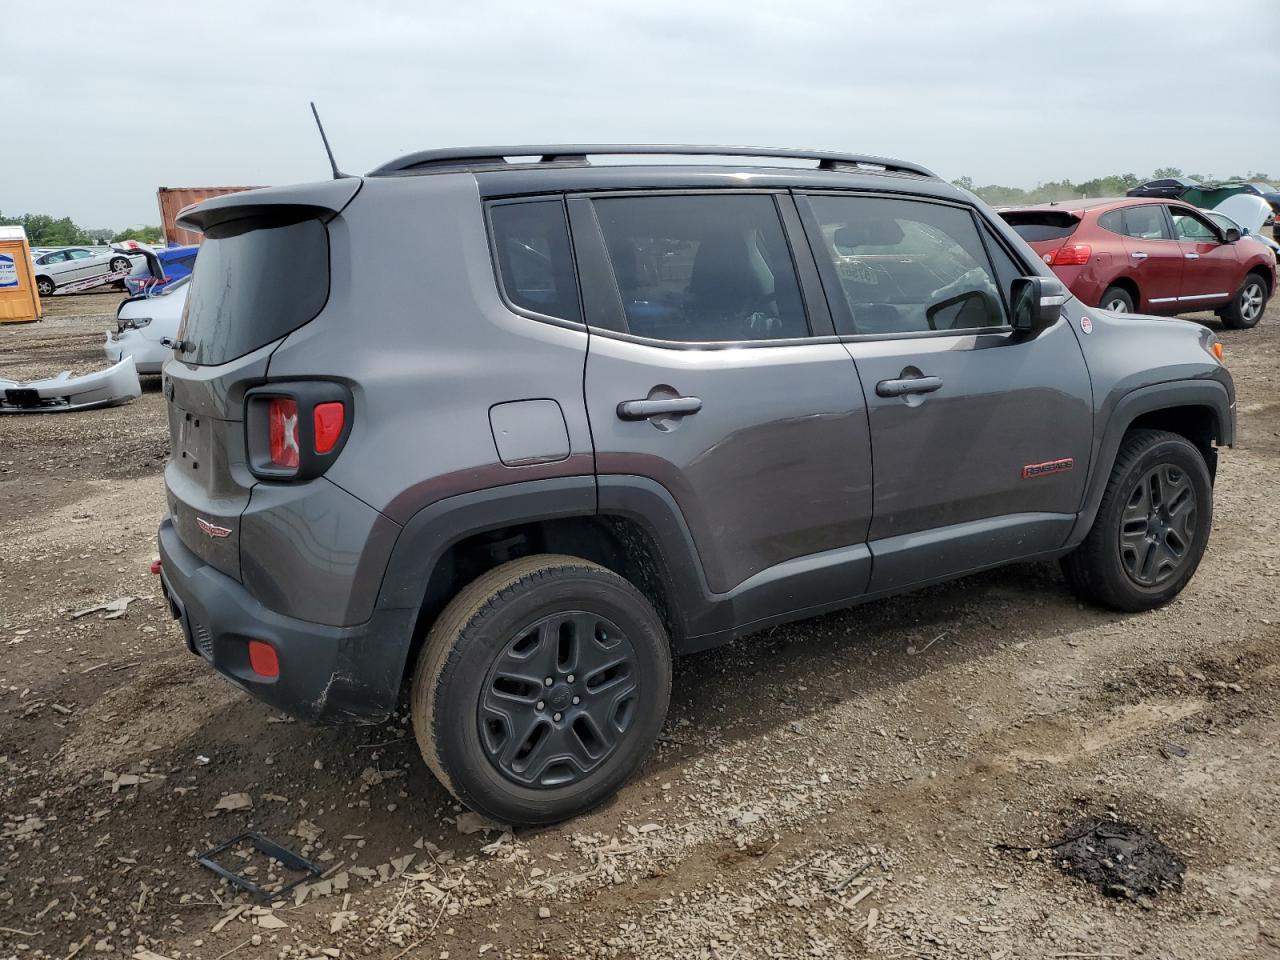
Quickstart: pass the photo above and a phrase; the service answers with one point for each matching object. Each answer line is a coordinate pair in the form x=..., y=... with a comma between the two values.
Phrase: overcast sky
x=104, y=102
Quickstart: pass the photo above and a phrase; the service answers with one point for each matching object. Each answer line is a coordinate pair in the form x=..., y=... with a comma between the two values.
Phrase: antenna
x=333, y=164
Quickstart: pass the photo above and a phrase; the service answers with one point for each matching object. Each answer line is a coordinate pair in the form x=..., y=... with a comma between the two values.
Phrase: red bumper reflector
x=155, y=567
x=263, y=659
x=328, y=418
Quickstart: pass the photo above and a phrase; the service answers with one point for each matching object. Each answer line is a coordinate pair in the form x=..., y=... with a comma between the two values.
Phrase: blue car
x=161, y=269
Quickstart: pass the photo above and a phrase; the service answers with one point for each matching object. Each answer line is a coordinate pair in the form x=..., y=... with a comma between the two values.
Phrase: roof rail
x=425, y=160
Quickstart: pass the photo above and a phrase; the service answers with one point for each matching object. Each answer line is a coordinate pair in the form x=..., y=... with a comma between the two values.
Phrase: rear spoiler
x=324, y=200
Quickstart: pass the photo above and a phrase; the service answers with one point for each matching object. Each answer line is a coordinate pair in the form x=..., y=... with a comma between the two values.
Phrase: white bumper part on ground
x=104, y=388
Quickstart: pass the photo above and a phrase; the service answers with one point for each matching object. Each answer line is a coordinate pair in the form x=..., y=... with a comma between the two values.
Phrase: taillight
x=294, y=431
x=282, y=424
x=329, y=418
x=1070, y=255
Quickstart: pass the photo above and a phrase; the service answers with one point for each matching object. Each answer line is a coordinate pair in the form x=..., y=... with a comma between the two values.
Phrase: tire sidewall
x=1183, y=455
x=455, y=726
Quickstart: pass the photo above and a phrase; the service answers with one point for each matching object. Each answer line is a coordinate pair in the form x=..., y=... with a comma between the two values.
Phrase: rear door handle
x=901, y=388
x=1139, y=255
x=671, y=406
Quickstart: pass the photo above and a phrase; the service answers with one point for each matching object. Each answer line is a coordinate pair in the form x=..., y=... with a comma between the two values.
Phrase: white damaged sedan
x=142, y=323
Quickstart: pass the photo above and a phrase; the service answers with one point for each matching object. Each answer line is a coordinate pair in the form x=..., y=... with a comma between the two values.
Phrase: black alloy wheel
x=558, y=699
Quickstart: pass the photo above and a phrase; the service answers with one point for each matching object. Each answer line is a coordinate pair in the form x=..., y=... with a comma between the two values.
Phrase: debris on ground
x=1120, y=859
x=114, y=609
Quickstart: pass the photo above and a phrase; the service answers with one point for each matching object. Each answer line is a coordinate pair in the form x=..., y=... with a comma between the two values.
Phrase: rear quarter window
x=254, y=282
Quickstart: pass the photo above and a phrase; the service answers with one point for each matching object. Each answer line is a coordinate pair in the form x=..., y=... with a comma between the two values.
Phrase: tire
x=120, y=263
x=1108, y=567
x=523, y=753
x=45, y=286
x=1247, y=306
x=1117, y=300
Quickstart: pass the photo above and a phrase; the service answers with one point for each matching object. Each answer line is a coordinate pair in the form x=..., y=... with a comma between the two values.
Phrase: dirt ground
x=884, y=782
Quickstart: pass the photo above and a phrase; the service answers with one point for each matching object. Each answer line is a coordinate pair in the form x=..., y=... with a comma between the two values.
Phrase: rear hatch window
x=1041, y=225
x=255, y=281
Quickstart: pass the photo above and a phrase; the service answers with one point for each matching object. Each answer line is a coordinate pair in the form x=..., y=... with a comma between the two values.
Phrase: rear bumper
x=327, y=674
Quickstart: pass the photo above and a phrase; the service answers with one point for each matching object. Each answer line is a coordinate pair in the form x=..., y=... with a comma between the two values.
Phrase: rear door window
x=699, y=269
x=906, y=266
x=535, y=260
x=255, y=281
x=1146, y=222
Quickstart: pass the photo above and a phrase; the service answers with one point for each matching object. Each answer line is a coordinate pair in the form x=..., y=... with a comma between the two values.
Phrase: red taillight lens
x=329, y=418
x=1070, y=255
x=282, y=420
x=263, y=660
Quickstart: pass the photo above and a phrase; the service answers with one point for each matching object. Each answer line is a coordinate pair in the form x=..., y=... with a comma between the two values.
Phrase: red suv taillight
x=293, y=431
x=1070, y=255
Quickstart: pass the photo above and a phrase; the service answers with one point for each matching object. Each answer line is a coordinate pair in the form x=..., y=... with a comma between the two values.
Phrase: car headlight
x=134, y=323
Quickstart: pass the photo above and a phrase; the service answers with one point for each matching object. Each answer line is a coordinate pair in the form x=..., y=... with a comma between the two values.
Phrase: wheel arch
x=1266, y=276
x=1202, y=411
x=634, y=532
x=1128, y=285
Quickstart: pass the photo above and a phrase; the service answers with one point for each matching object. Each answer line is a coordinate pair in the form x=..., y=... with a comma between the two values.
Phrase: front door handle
x=1139, y=255
x=667, y=407
x=1192, y=256
x=909, y=385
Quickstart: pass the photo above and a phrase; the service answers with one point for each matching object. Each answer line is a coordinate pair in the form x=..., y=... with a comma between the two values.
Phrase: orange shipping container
x=173, y=199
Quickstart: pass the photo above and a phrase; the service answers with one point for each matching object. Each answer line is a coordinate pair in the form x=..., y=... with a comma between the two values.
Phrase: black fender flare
x=1209, y=393
x=427, y=536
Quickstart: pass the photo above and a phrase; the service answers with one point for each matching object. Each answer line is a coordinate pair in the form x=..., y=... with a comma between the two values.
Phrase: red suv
x=1153, y=256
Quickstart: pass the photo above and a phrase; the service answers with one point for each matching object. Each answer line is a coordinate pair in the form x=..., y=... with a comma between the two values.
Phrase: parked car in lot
x=621, y=412
x=144, y=324
x=1168, y=188
x=57, y=268
x=1247, y=213
x=161, y=268
x=1150, y=256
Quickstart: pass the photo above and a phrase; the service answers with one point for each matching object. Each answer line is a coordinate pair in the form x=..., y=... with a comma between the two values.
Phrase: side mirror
x=1232, y=234
x=1037, y=302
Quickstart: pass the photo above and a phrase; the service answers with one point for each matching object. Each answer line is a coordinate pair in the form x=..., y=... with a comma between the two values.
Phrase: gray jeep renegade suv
x=510, y=430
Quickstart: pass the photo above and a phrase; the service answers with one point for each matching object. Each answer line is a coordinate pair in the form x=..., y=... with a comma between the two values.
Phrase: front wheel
x=540, y=689
x=1152, y=526
x=1246, y=307
x=45, y=286
x=120, y=263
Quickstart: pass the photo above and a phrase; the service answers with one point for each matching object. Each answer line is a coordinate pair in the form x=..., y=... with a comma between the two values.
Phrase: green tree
x=44, y=231
x=1166, y=173
x=141, y=234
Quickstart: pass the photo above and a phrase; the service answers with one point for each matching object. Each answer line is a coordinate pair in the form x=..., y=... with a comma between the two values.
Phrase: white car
x=142, y=322
x=57, y=268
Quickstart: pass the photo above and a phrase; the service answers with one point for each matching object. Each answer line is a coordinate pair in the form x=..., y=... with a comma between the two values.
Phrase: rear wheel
x=540, y=689
x=1152, y=526
x=120, y=263
x=1117, y=300
x=1246, y=307
x=44, y=286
